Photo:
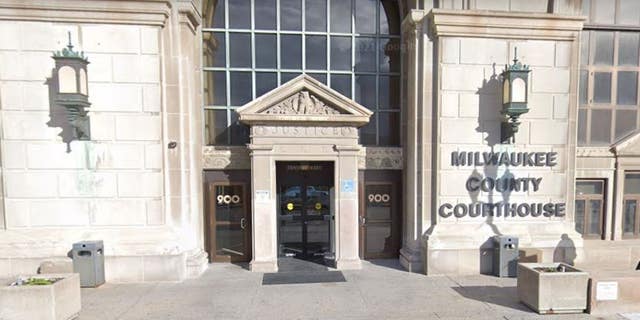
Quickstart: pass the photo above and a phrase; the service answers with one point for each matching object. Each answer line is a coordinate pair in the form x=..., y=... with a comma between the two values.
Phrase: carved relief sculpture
x=302, y=103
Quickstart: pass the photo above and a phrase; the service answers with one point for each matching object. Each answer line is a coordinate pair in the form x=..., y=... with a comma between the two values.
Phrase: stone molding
x=302, y=102
x=146, y=12
x=497, y=24
x=190, y=13
x=413, y=21
x=237, y=158
x=628, y=147
x=594, y=152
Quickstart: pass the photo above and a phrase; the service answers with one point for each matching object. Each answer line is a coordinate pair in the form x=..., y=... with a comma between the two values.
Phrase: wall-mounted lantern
x=515, y=95
x=71, y=90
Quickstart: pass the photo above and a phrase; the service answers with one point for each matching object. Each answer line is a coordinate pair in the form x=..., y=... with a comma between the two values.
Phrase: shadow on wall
x=489, y=119
x=565, y=251
x=58, y=117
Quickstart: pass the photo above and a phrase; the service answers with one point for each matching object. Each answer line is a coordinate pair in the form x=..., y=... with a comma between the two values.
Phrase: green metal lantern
x=71, y=89
x=515, y=95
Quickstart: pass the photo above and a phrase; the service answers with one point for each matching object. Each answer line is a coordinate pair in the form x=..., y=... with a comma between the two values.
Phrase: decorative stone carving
x=225, y=158
x=302, y=103
x=381, y=158
x=372, y=158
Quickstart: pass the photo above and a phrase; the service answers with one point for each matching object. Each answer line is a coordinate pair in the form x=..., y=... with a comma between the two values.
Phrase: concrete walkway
x=380, y=291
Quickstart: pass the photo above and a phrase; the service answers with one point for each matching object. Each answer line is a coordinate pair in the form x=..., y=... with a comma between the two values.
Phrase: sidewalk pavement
x=381, y=290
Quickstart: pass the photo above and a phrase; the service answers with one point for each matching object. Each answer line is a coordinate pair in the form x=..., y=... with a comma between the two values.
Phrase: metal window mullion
x=253, y=50
x=328, y=30
x=614, y=87
x=278, y=70
x=378, y=43
x=303, y=38
x=227, y=65
x=353, y=50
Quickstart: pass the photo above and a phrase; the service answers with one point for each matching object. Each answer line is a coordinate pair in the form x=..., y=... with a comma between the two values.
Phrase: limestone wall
x=470, y=50
x=471, y=100
x=125, y=186
x=114, y=180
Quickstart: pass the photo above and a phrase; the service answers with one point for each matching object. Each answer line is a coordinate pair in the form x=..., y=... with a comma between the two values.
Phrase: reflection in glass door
x=229, y=223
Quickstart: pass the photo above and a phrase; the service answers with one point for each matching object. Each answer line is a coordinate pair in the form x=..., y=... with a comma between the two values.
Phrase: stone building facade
x=326, y=131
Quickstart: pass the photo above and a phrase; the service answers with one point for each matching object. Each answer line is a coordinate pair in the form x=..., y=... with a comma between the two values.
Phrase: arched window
x=253, y=46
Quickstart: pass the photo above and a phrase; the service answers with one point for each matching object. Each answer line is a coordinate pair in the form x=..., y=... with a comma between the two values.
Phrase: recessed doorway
x=305, y=211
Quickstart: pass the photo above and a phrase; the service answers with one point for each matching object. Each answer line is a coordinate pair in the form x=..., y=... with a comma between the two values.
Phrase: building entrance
x=305, y=213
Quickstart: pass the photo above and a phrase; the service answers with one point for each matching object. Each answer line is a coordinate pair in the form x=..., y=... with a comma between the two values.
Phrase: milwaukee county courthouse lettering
x=186, y=132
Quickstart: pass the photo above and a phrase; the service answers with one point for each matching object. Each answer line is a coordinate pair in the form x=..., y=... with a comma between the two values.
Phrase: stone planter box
x=59, y=301
x=552, y=292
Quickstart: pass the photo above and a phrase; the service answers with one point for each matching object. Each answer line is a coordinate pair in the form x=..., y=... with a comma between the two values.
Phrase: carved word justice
x=504, y=185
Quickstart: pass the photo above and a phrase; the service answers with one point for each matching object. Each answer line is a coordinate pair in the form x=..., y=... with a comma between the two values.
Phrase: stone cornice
x=495, y=24
x=141, y=12
x=190, y=13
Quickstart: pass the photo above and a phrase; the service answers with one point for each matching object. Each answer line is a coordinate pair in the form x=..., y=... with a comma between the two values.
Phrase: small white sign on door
x=262, y=195
x=606, y=290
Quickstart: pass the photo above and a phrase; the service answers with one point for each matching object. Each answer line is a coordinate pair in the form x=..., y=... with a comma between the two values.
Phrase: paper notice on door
x=607, y=290
x=262, y=196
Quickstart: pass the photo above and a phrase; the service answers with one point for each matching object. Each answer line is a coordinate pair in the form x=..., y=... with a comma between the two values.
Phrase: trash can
x=88, y=261
x=505, y=256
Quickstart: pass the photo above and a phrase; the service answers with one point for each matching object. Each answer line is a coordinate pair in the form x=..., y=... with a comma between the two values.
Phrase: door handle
x=363, y=220
x=243, y=223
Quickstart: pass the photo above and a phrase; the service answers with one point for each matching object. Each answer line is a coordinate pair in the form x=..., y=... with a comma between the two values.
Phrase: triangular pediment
x=304, y=100
x=628, y=146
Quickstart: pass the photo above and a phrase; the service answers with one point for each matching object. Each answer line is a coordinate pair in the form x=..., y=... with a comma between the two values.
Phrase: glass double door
x=305, y=219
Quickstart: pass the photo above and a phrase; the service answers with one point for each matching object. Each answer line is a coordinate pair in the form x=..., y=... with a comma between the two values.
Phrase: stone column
x=619, y=196
x=347, y=256
x=413, y=188
x=264, y=228
x=182, y=124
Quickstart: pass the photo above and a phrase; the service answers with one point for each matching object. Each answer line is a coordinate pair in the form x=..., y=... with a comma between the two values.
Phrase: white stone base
x=157, y=254
x=264, y=266
x=197, y=263
x=411, y=260
x=351, y=264
x=468, y=248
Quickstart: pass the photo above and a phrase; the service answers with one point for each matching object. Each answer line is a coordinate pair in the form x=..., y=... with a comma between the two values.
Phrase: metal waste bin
x=505, y=256
x=88, y=261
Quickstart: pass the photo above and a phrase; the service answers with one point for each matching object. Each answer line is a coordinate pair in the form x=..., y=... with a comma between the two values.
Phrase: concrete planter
x=59, y=301
x=552, y=292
